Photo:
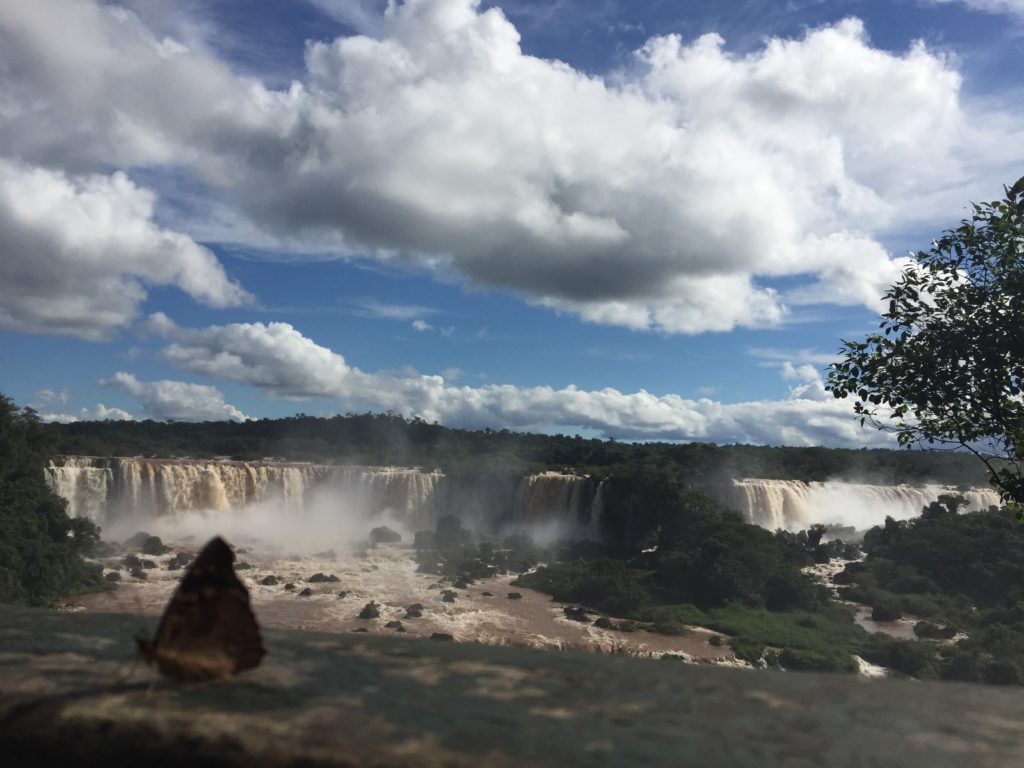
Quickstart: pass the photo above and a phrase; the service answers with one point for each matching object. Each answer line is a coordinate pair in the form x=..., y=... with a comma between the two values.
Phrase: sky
x=631, y=220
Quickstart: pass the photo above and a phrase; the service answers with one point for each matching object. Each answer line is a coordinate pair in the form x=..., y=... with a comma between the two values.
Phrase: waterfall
x=107, y=490
x=795, y=505
x=114, y=490
x=549, y=504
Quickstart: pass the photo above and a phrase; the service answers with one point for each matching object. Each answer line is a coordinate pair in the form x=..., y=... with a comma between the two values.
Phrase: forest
x=386, y=439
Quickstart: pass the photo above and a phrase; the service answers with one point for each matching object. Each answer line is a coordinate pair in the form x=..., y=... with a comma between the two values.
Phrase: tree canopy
x=41, y=547
x=947, y=367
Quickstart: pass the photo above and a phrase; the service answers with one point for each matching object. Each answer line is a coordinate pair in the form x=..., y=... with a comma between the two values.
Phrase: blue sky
x=646, y=220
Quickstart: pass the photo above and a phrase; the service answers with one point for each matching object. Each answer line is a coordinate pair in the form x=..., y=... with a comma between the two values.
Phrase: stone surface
x=72, y=692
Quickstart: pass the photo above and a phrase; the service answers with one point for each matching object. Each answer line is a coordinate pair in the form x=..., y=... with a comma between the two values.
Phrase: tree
x=41, y=547
x=947, y=367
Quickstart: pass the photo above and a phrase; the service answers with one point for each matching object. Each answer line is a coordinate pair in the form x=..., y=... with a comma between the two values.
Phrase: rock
x=131, y=562
x=106, y=549
x=370, y=611
x=414, y=611
x=443, y=636
x=448, y=596
x=138, y=540
x=243, y=566
x=604, y=623
x=306, y=592
x=320, y=578
x=360, y=629
x=154, y=546
x=384, y=535
x=487, y=594
x=148, y=564
x=327, y=554
x=461, y=584
x=112, y=577
x=179, y=561
x=137, y=573
x=397, y=625
x=289, y=587
x=575, y=613
x=342, y=594
x=270, y=581
x=70, y=698
x=514, y=596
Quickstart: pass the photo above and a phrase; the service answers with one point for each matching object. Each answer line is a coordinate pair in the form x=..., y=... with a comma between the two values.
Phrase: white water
x=794, y=505
x=298, y=503
x=286, y=499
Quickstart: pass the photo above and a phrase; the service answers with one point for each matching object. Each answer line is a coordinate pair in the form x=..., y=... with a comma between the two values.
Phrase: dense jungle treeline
x=41, y=547
x=381, y=439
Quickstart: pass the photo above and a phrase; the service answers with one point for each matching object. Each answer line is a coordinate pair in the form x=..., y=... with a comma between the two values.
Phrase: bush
x=812, y=661
x=885, y=611
x=747, y=649
x=931, y=631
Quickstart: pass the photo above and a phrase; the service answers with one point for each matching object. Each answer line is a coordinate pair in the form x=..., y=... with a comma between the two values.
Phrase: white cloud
x=176, y=400
x=663, y=197
x=369, y=307
x=76, y=254
x=99, y=413
x=282, y=362
x=53, y=396
x=421, y=326
x=991, y=6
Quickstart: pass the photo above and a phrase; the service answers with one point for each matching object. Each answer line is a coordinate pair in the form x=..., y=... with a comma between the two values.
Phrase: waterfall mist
x=312, y=507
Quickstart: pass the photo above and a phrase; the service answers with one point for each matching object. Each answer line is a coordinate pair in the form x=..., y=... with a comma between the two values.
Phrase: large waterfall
x=110, y=491
x=794, y=505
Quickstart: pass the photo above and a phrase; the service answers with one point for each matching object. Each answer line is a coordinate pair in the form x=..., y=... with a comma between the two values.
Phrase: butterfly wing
x=208, y=629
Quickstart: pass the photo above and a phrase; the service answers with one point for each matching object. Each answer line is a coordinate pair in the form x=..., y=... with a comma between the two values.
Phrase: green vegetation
x=956, y=572
x=496, y=458
x=948, y=365
x=41, y=548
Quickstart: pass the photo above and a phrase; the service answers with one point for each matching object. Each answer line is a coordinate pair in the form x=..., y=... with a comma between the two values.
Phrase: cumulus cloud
x=99, y=413
x=668, y=196
x=282, y=362
x=421, y=326
x=176, y=400
x=76, y=254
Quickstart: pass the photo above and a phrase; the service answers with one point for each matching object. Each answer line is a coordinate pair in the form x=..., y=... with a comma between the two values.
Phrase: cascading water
x=109, y=489
x=794, y=505
x=549, y=504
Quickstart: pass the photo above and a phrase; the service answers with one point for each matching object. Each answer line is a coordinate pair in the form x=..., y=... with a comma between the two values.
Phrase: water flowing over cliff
x=794, y=505
x=113, y=490
x=107, y=489
x=110, y=491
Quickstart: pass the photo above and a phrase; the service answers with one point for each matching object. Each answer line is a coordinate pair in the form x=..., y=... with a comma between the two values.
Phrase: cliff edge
x=72, y=692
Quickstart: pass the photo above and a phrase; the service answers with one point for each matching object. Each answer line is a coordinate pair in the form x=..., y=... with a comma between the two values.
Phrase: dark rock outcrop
x=70, y=694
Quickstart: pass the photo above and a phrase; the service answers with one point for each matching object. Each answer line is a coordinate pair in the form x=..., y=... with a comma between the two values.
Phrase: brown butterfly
x=208, y=629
